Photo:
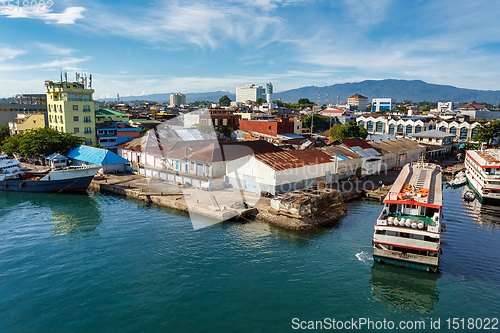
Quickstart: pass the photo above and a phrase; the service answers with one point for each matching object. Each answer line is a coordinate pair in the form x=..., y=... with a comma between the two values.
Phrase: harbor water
x=101, y=263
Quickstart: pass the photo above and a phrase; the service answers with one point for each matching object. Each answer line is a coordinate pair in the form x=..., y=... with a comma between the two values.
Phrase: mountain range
x=415, y=90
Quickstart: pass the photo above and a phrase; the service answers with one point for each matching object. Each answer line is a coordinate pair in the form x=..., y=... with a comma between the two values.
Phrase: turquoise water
x=101, y=263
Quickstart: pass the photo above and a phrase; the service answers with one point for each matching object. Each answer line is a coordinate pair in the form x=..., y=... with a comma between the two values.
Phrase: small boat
x=469, y=196
x=68, y=179
x=458, y=181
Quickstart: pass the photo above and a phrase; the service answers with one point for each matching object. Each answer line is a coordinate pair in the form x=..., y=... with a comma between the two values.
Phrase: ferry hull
x=64, y=185
x=413, y=261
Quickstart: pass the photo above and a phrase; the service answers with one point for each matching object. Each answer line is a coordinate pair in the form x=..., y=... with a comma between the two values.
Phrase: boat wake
x=364, y=257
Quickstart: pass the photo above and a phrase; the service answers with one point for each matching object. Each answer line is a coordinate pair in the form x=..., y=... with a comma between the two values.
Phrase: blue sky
x=137, y=48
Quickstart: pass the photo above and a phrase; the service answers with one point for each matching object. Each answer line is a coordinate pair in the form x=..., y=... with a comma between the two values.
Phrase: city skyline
x=201, y=46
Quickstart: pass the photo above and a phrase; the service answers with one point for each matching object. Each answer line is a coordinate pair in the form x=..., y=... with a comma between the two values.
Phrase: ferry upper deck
x=418, y=184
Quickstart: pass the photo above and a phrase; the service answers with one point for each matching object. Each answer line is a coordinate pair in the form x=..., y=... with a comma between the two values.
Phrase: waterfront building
x=357, y=102
x=280, y=172
x=177, y=99
x=249, y=92
x=26, y=121
x=383, y=104
x=186, y=156
x=71, y=109
x=438, y=143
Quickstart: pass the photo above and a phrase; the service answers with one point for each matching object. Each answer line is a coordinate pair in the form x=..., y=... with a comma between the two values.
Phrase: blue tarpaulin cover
x=95, y=155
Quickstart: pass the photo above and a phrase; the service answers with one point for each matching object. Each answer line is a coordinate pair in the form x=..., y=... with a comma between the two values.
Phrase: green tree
x=348, y=131
x=4, y=132
x=11, y=144
x=260, y=101
x=224, y=101
x=488, y=132
x=278, y=103
x=41, y=142
x=304, y=101
x=333, y=132
x=320, y=123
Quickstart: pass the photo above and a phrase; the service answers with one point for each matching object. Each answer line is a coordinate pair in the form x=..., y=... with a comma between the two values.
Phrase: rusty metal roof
x=294, y=159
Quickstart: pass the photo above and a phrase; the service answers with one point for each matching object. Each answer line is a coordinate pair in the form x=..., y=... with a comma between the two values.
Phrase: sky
x=149, y=47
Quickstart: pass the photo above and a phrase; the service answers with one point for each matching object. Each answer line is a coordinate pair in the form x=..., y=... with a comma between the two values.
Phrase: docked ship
x=68, y=179
x=408, y=230
x=483, y=173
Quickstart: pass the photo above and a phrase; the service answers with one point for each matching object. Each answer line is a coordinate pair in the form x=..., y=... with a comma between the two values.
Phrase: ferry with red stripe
x=408, y=230
x=483, y=173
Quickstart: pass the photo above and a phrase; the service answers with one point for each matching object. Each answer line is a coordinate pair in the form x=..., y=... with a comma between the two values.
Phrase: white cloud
x=54, y=49
x=66, y=64
x=9, y=53
x=68, y=16
x=205, y=24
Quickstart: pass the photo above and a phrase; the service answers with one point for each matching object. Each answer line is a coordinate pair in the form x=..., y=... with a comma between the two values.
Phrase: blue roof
x=95, y=155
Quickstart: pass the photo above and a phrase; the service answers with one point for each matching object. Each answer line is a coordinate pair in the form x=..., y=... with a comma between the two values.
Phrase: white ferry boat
x=483, y=173
x=69, y=179
x=408, y=230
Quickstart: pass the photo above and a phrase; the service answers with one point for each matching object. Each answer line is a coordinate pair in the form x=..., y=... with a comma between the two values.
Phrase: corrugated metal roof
x=366, y=152
x=294, y=159
x=95, y=155
x=395, y=145
x=189, y=134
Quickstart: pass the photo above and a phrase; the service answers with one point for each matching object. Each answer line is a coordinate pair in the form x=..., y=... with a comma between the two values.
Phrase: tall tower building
x=71, y=109
x=269, y=92
x=177, y=99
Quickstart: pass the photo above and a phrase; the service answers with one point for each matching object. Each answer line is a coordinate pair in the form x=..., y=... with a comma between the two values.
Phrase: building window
x=362, y=123
x=88, y=142
x=77, y=130
x=418, y=129
x=474, y=132
x=391, y=129
x=379, y=126
x=87, y=119
x=86, y=108
x=453, y=130
x=87, y=130
x=409, y=129
x=76, y=118
x=75, y=107
x=463, y=133
x=442, y=129
x=400, y=129
x=369, y=126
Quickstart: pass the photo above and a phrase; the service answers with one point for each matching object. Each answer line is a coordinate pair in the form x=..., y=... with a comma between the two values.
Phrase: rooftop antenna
x=90, y=81
x=65, y=76
x=319, y=98
x=326, y=98
x=61, y=73
x=76, y=76
x=118, y=98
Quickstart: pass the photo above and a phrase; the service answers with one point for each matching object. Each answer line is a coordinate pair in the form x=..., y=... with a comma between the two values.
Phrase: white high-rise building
x=177, y=99
x=269, y=92
x=249, y=92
